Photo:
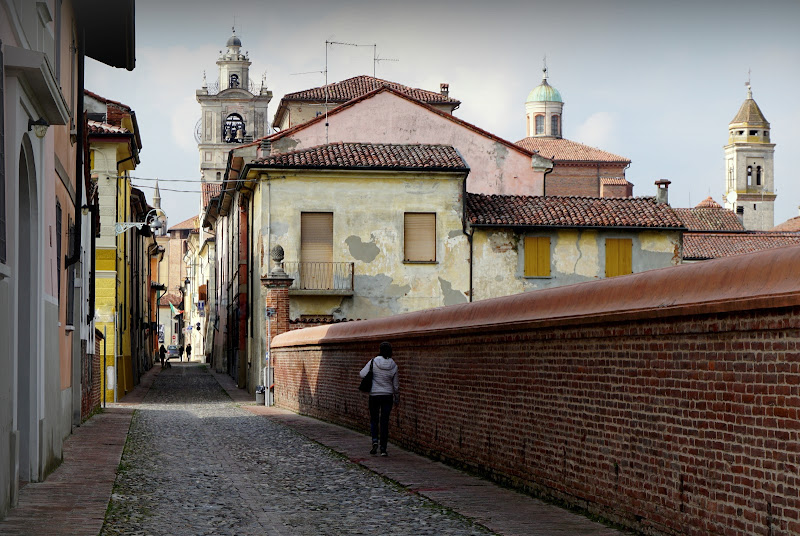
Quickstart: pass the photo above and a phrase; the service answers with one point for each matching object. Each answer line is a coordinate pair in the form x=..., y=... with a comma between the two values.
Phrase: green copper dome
x=544, y=92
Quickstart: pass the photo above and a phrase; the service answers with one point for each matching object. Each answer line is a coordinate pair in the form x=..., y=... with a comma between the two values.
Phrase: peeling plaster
x=455, y=234
x=656, y=242
x=280, y=229
x=362, y=251
x=577, y=253
x=451, y=297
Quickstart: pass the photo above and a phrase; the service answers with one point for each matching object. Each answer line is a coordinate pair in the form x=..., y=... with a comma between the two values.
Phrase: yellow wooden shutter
x=419, y=236
x=537, y=256
x=619, y=256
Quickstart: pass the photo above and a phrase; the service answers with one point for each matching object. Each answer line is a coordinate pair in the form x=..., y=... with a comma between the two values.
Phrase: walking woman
x=384, y=394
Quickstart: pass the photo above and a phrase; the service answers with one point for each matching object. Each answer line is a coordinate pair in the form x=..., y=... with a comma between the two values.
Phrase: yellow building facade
x=114, y=146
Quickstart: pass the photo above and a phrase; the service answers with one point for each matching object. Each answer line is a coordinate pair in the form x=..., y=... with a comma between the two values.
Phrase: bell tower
x=750, y=182
x=232, y=111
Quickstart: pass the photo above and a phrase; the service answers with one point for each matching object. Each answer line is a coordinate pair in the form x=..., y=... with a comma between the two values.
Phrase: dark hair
x=386, y=349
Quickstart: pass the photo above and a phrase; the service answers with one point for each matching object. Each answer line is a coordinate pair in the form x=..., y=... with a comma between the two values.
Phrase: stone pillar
x=277, y=285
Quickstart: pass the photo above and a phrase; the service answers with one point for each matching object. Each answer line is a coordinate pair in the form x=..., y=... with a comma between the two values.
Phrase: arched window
x=234, y=80
x=554, y=126
x=749, y=175
x=539, y=124
x=758, y=176
x=233, y=131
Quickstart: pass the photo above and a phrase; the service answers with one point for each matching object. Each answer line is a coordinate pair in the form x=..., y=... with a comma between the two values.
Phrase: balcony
x=320, y=278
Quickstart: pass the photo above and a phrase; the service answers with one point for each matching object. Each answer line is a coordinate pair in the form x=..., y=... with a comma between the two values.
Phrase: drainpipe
x=544, y=177
x=75, y=254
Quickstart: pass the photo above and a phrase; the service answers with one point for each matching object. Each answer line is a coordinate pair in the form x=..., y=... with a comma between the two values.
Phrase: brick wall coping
x=766, y=279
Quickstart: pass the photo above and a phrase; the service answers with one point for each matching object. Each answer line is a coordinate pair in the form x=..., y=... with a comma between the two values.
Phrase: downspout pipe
x=75, y=254
x=546, y=173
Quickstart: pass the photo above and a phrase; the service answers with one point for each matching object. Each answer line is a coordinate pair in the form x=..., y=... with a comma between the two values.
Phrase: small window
x=753, y=133
x=419, y=237
x=740, y=132
x=619, y=256
x=234, y=80
x=749, y=175
x=539, y=124
x=758, y=176
x=554, y=126
x=537, y=256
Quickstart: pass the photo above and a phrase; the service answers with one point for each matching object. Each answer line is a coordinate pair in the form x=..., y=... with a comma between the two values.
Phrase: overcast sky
x=657, y=82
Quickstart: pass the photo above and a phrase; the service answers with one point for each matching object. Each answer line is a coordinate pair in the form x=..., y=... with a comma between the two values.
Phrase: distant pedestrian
x=180, y=353
x=162, y=352
x=188, y=352
x=384, y=394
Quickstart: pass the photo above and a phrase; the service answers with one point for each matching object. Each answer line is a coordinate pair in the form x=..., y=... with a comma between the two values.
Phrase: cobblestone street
x=196, y=464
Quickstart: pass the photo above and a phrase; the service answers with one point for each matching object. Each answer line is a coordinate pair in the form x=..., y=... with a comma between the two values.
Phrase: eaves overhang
x=576, y=226
x=34, y=70
x=109, y=35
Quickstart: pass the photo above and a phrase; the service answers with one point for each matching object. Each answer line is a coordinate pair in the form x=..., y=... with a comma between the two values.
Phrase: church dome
x=234, y=41
x=544, y=92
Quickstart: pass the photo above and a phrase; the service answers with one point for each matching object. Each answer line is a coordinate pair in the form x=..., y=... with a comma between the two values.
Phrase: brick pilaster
x=277, y=287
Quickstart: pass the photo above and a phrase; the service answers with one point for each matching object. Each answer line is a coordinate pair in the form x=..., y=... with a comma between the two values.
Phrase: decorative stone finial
x=276, y=254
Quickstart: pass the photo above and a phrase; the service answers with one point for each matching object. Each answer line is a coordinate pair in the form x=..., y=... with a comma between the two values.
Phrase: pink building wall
x=496, y=167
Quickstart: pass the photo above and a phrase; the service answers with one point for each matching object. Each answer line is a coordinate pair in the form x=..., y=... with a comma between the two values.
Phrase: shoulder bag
x=366, y=381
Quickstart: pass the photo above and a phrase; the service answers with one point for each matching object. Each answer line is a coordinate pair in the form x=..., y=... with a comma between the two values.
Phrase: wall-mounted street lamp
x=155, y=222
x=39, y=126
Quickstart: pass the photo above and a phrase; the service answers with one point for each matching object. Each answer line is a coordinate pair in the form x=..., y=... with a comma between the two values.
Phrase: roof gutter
x=597, y=227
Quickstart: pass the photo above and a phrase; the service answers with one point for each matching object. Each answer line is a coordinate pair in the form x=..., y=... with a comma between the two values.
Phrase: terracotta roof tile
x=563, y=150
x=709, y=216
x=369, y=155
x=555, y=211
x=708, y=202
x=95, y=127
x=190, y=223
x=790, y=225
x=209, y=191
x=357, y=86
x=170, y=297
x=614, y=181
x=697, y=246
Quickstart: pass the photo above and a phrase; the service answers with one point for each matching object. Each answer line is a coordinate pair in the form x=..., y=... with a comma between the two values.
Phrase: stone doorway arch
x=29, y=260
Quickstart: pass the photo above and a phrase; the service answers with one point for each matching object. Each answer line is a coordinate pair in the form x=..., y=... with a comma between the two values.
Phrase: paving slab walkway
x=72, y=500
x=501, y=510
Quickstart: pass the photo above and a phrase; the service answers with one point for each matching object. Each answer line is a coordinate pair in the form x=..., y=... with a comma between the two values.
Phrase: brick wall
x=667, y=400
x=91, y=388
x=583, y=180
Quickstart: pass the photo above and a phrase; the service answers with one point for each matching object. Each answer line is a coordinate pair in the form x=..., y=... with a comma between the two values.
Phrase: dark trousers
x=380, y=406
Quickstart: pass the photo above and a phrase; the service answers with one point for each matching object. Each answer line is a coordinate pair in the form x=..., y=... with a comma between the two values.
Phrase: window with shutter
x=419, y=237
x=316, y=250
x=619, y=256
x=537, y=256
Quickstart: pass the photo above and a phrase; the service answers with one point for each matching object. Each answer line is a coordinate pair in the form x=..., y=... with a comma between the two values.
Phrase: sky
x=657, y=82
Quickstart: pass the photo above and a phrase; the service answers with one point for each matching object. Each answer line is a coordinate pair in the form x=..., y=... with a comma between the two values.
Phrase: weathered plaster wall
x=576, y=255
x=386, y=118
x=368, y=231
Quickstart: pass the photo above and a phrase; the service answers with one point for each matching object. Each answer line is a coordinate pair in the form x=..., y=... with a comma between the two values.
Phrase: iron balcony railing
x=320, y=275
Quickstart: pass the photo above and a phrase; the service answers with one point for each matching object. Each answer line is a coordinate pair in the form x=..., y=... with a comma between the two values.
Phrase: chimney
x=266, y=147
x=740, y=213
x=444, y=89
x=662, y=197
